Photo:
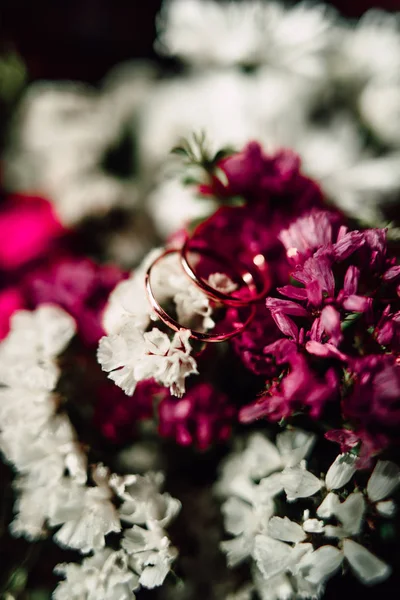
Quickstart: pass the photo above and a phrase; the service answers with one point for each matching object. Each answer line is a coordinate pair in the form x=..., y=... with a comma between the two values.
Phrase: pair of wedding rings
x=255, y=285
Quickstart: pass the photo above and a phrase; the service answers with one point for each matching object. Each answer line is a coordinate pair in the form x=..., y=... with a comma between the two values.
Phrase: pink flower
x=299, y=388
x=117, y=415
x=78, y=285
x=369, y=445
x=249, y=345
x=202, y=417
x=276, y=193
x=308, y=233
x=373, y=403
x=29, y=229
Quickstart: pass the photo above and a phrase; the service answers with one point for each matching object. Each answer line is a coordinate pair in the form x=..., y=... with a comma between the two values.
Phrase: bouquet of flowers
x=199, y=356
x=254, y=367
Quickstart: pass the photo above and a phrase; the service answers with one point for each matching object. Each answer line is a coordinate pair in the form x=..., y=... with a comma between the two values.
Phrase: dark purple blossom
x=277, y=193
x=374, y=402
x=299, y=388
x=117, y=415
x=78, y=285
x=202, y=417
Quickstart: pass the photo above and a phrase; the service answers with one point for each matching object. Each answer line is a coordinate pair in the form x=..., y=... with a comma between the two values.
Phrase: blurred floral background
x=94, y=95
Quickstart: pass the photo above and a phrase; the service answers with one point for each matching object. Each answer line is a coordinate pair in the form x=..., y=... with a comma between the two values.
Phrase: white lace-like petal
x=328, y=506
x=269, y=487
x=299, y=483
x=383, y=481
x=369, y=569
x=320, y=565
x=105, y=575
x=237, y=515
x=294, y=445
x=275, y=588
x=261, y=456
x=341, y=471
x=272, y=556
x=351, y=513
x=285, y=530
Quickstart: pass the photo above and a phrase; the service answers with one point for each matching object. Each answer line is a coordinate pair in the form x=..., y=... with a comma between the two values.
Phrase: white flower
x=379, y=104
x=285, y=530
x=383, y=481
x=19, y=406
x=371, y=50
x=142, y=501
x=274, y=557
x=369, y=569
x=260, y=460
x=32, y=506
x=104, y=576
x=61, y=140
x=341, y=471
x=132, y=356
x=151, y=554
x=299, y=483
x=249, y=509
x=314, y=569
x=46, y=456
x=27, y=354
x=173, y=205
x=86, y=514
x=205, y=32
x=244, y=521
x=234, y=31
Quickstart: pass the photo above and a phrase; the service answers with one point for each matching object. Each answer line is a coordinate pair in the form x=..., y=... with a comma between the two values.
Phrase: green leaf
x=180, y=151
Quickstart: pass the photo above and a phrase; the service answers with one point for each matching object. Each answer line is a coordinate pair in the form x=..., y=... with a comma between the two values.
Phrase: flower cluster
x=53, y=488
x=295, y=557
x=338, y=325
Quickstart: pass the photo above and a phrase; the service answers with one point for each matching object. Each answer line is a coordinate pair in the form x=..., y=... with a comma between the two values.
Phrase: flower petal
x=299, y=483
x=321, y=564
x=341, y=471
x=368, y=567
x=285, y=530
x=351, y=513
x=384, y=479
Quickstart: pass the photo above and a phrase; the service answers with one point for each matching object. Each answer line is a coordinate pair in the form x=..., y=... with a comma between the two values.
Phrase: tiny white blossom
x=383, y=481
x=370, y=50
x=142, y=501
x=368, y=568
x=151, y=554
x=86, y=514
x=132, y=356
x=299, y=483
x=27, y=353
x=341, y=471
x=285, y=530
x=45, y=456
x=104, y=576
x=274, y=557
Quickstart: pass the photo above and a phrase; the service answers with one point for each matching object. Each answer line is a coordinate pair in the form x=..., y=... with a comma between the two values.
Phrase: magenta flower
x=299, y=388
x=276, y=192
x=374, y=400
x=117, y=415
x=249, y=345
x=308, y=233
x=78, y=285
x=29, y=229
x=258, y=176
x=202, y=417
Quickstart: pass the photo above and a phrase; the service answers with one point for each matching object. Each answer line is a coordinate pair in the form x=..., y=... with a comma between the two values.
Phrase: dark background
x=83, y=39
